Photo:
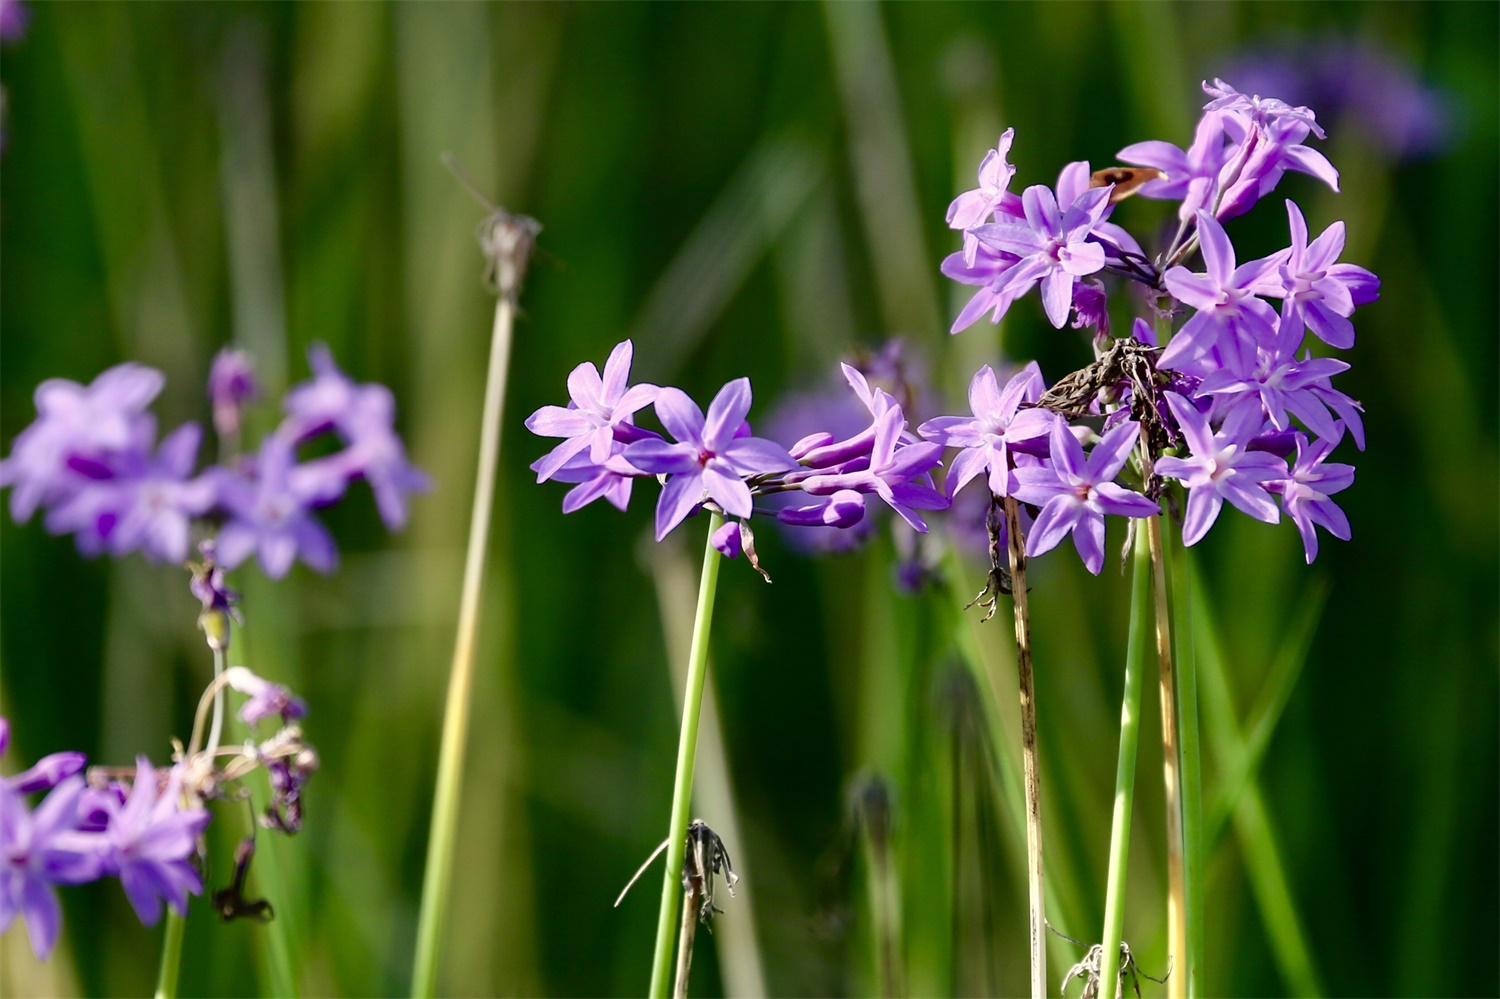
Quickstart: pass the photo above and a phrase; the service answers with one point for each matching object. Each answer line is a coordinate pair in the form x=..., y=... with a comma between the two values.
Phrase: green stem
x=1130, y=731
x=171, y=957
x=444, y=831
x=687, y=748
x=1192, y=770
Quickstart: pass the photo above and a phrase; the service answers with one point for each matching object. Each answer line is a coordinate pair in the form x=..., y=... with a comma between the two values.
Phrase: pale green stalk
x=1130, y=731
x=507, y=242
x=1192, y=770
x=171, y=957
x=687, y=747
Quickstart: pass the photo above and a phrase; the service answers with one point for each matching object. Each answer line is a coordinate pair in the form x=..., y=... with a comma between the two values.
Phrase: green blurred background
x=744, y=190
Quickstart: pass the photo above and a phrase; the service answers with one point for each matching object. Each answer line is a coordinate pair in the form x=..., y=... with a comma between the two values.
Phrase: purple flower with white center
x=150, y=843
x=1319, y=292
x=1054, y=246
x=1229, y=318
x=710, y=459
x=1280, y=383
x=39, y=850
x=894, y=473
x=974, y=208
x=1305, y=492
x=266, y=698
x=601, y=410
x=1191, y=176
x=231, y=384
x=998, y=424
x=1076, y=492
x=1256, y=110
x=1221, y=467
x=270, y=515
x=77, y=425
x=148, y=503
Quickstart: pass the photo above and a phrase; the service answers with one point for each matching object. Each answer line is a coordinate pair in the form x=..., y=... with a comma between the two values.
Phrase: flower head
x=150, y=843
x=997, y=426
x=39, y=850
x=1221, y=467
x=600, y=410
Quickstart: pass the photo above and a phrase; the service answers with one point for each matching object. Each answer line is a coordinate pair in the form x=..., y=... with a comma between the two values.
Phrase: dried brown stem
x=1031, y=771
x=690, y=907
x=1176, y=885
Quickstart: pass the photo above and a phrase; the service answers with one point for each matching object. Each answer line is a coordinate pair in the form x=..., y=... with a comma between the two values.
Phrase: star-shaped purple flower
x=1229, y=318
x=1319, y=292
x=1221, y=467
x=1305, y=492
x=1054, y=246
x=270, y=516
x=600, y=410
x=150, y=842
x=997, y=426
x=37, y=851
x=1075, y=493
x=711, y=456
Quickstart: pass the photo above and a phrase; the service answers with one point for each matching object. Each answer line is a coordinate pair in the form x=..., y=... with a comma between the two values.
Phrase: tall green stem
x=1171, y=772
x=687, y=750
x=507, y=241
x=171, y=957
x=1130, y=731
x=1192, y=770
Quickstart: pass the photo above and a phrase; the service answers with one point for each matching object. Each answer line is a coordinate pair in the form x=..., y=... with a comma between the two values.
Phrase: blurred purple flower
x=266, y=698
x=147, y=503
x=269, y=516
x=1221, y=467
x=37, y=851
x=710, y=458
x=1075, y=493
x=150, y=843
x=46, y=773
x=13, y=19
x=231, y=384
x=77, y=427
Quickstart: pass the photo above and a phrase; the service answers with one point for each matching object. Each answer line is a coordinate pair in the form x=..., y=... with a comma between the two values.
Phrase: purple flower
x=151, y=840
x=1262, y=156
x=376, y=454
x=1255, y=110
x=46, y=773
x=897, y=474
x=37, y=851
x=727, y=539
x=842, y=510
x=600, y=410
x=13, y=18
x=991, y=271
x=974, y=208
x=77, y=426
x=1229, y=318
x=1305, y=492
x=998, y=424
x=1280, y=383
x=611, y=480
x=231, y=384
x=1054, y=246
x=266, y=698
x=148, y=503
x=1191, y=176
x=710, y=457
x=1075, y=493
x=1221, y=467
x=1319, y=292
x=269, y=516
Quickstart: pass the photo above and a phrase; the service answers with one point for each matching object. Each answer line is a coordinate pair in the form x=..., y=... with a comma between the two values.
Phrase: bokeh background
x=750, y=190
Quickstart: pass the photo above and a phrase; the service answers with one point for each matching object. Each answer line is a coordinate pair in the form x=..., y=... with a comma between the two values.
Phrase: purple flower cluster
x=713, y=459
x=1255, y=414
x=91, y=461
x=144, y=826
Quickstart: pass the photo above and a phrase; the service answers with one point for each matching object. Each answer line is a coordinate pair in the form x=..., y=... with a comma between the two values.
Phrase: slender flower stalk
x=1192, y=771
x=1030, y=769
x=1130, y=731
x=1171, y=771
x=171, y=957
x=507, y=241
x=689, y=932
x=687, y=748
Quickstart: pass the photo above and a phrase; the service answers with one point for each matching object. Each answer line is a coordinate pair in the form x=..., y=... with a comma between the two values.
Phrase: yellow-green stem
x=687, y=748
x=444, y=831
x=1171, y=772
x=1130, y=731
x=171, y=957
x=1192, y=772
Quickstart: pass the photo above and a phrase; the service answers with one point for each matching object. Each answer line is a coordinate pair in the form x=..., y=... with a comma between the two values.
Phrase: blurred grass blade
x=1276, y=691
x=881, y=157
x=752, y=211
x=1257, y=838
